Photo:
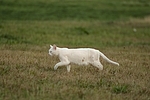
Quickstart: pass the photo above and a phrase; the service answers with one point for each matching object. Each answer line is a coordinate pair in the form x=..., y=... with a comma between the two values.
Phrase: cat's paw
x=55, y=68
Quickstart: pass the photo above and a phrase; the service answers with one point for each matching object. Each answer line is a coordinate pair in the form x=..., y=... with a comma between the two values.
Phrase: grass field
x=119, y=29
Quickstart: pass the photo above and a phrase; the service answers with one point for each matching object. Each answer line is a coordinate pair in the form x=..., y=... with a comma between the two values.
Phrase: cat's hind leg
x=68, y=68
x=97, y=64
x=64, y=63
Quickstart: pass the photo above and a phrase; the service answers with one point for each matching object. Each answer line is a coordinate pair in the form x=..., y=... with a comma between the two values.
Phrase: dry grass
x=143, y=20
x=30, y=75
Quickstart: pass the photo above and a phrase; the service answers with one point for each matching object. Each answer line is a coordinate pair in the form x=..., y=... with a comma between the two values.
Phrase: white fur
x=80, y=56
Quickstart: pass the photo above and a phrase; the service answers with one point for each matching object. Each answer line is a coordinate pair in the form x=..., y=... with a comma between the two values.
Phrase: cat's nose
x=50, y=54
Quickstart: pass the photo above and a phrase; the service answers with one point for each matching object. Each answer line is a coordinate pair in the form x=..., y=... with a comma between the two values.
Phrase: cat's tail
x=108, y=60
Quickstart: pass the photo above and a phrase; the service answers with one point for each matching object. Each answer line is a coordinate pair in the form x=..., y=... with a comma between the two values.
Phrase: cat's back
x=82, y=50
x=86, y=49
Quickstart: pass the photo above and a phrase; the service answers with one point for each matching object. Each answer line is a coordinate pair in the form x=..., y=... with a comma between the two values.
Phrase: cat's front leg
x=68, y=68
x=55, y=67
x=60, y=64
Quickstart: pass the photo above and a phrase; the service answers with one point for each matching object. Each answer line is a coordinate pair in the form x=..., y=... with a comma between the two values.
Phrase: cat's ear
x=51, y=46
x=54, y=46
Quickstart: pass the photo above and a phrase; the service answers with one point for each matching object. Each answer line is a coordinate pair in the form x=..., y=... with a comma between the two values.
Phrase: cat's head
x=53, y=50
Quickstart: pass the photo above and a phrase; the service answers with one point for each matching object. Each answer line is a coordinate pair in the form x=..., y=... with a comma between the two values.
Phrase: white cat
x=80, y=56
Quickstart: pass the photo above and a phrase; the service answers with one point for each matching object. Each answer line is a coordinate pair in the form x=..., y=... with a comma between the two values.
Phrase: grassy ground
x=121, y=30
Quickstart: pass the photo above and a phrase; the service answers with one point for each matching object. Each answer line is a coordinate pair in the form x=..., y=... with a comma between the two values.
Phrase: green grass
x=75, y=33
x=73, y=10
x=28, y=27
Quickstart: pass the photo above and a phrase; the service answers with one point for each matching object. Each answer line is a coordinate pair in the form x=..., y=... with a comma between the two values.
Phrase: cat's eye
x=50, y=51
